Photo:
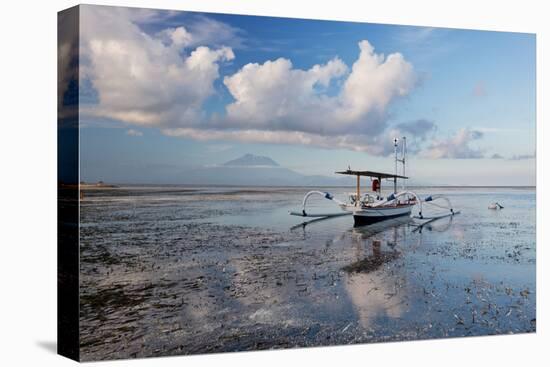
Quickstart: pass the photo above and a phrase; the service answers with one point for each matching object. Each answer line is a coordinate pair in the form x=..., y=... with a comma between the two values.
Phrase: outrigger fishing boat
x=373, y=207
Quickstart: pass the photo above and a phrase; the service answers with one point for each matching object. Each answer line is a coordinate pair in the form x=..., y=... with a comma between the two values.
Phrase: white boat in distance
x=373, y=207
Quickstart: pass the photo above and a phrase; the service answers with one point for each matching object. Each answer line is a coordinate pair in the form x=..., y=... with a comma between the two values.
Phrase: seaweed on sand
x=371, y=263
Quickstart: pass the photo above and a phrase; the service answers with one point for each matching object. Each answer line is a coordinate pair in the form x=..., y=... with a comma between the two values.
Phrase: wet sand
x=168, y=270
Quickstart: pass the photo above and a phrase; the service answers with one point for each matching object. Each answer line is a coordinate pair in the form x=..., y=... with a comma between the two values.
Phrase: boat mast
x=395, y=140
x=402, y=160
x=403, y=154
x=358, y=190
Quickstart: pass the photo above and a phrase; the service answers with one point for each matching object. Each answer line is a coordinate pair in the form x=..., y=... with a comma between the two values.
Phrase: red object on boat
x=375, y=185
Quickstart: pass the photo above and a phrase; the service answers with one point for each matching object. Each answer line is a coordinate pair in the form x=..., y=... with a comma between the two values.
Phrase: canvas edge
x=68, y=65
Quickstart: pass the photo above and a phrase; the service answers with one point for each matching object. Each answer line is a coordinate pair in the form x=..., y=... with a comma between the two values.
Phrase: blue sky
x=167, y=91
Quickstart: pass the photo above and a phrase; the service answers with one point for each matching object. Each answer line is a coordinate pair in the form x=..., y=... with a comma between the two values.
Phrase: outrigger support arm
x=326, y=195
x=430, y=200
x=441, y=197
x=394, y=197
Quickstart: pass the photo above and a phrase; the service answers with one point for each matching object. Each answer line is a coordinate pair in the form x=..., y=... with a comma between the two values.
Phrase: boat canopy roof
x=378, y=175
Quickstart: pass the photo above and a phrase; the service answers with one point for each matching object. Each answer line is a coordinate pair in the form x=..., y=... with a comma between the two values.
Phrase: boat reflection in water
x=375, y=293
x=378, y=281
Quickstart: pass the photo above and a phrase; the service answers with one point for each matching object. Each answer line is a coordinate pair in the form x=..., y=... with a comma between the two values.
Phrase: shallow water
x=183, y=270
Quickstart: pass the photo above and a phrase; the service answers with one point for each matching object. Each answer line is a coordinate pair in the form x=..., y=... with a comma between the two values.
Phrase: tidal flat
x=169, y=270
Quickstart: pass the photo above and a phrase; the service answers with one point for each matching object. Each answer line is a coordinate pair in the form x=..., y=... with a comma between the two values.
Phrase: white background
x=28, y=181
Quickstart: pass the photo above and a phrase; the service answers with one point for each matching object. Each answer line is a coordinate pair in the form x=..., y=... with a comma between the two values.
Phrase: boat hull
x=369, y=216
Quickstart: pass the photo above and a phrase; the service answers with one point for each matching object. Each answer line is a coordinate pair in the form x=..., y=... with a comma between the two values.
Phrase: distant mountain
x=256, y=170
x=250, y=160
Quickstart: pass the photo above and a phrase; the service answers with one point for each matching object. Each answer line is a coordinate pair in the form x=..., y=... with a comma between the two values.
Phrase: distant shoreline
x=121, y=185
x=99, y=185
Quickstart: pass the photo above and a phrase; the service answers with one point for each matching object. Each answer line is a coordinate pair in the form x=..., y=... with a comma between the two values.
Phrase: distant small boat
x=369, y=208
x=495, y=206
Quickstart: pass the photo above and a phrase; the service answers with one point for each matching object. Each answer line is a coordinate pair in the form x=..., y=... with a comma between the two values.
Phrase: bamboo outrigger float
x=369, y=208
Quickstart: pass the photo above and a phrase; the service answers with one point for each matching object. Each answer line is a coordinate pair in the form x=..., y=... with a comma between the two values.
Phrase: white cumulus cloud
x=276, y=96
x=139, y=79
x=162, y=80
x=178, y=37
x=457, y=146
x=380, y=145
